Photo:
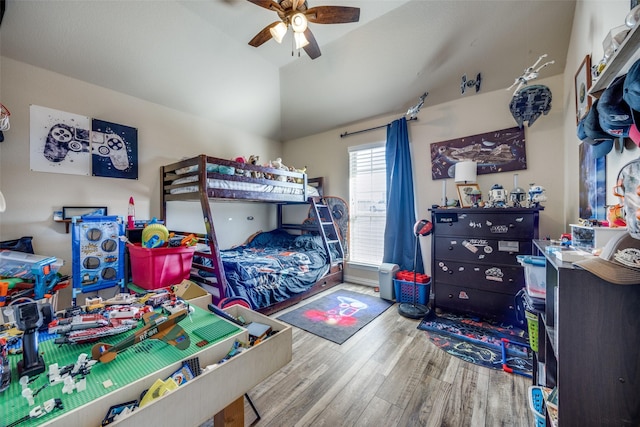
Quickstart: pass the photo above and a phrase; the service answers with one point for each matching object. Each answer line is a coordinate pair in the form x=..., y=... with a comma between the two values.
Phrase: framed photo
x=582, y=86
x=69, y=212
x=464, y=194
x=592, y=184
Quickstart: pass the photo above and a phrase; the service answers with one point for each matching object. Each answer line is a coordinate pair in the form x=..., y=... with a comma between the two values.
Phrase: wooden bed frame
x=201, y=189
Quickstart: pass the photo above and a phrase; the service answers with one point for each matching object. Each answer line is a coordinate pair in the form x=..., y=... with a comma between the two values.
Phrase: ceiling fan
x=296, y=13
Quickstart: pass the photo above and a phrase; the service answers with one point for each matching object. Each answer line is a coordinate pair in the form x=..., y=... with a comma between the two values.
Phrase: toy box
x=535, y=275
x=407, y=291
x=160, y=267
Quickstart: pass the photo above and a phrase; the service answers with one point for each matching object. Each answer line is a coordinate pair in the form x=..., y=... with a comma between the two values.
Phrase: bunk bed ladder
x=328, y=230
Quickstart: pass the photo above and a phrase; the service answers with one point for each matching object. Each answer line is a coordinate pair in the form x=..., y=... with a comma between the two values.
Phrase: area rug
x=337, y=316
x=484, y=343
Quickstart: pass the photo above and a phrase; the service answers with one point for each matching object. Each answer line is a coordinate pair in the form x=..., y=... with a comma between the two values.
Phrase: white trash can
x=386, y=274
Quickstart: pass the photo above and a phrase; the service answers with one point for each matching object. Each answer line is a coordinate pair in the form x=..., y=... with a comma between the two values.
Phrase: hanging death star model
x=530, y=102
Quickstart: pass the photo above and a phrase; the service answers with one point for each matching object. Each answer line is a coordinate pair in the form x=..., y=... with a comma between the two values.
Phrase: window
x=368, y=203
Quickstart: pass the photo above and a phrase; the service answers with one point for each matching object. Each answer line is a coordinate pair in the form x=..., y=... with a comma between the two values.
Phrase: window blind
x=367, y=201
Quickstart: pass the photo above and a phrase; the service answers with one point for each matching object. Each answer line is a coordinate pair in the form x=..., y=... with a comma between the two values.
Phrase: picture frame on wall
x=582, y=86
x=592, y=184
x=464, y=194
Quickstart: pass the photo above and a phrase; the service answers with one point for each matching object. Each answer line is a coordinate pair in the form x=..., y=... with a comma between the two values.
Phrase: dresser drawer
x=492, y=278
x=462, y=299
x=479, y=224
x=479, y=250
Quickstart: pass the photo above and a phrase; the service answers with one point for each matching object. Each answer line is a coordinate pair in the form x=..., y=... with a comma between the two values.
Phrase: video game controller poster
x=59, y=141
x=114, y=150
x=62, y=142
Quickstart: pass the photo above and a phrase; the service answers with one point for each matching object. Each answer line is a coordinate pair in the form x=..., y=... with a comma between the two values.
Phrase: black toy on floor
x=28, y=320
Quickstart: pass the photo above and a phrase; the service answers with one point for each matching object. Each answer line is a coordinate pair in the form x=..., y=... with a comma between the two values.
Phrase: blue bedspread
x=274, y=266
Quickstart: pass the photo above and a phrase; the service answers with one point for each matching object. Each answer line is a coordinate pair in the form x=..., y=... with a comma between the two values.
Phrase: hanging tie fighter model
x=464, y=84
x=530, y=73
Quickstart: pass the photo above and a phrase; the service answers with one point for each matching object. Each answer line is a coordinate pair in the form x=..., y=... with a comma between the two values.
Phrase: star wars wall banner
x=497, y=151
x=69, y=143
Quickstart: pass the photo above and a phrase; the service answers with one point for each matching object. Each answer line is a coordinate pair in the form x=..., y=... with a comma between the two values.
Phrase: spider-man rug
x=492, y=345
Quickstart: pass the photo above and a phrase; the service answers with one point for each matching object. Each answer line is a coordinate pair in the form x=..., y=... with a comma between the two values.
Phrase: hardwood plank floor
x=388, y=374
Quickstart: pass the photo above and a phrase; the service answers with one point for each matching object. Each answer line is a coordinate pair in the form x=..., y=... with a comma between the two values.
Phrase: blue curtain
x=399, y=239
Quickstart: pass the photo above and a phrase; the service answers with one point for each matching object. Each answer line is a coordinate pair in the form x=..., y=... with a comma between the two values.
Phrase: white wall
x=164, y=136
x=552, y=144
x=592, y=21
x=471, y=115
x=167, y=135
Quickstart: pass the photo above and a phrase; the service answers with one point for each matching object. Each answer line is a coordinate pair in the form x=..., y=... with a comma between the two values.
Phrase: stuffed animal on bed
x=240, y=171
x=300, y=180
x=253, y=159
x=277, y=164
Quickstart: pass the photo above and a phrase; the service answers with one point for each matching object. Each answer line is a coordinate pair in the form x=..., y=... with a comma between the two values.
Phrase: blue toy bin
x=406, y=291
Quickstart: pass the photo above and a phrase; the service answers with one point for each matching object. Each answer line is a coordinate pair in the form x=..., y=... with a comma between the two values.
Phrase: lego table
x=217, y=389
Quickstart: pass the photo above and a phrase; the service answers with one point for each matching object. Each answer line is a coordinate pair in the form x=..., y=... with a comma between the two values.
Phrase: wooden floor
x=388, y=374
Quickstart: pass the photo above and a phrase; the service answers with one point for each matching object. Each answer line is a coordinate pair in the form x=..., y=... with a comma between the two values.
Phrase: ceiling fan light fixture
x=299, y=22
x=278, y=32
x=301, y=40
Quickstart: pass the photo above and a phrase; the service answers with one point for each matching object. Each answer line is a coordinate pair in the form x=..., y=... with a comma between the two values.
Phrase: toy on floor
x=158, y=326
x=29, y=320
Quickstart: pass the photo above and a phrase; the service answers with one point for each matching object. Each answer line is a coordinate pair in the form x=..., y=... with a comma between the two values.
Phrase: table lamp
x=466, y=172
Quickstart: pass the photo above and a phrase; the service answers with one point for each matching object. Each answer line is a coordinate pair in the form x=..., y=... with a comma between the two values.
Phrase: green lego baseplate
x=134, y=363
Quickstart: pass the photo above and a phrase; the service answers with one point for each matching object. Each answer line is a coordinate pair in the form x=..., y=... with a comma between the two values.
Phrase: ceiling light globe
x=299, y=22
x=278, y=32
x=301, y=40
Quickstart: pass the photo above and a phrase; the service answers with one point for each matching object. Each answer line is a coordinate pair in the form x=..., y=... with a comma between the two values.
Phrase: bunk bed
x=222, y=272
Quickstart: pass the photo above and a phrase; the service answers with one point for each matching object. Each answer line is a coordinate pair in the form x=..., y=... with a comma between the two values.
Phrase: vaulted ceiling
x=194, y=56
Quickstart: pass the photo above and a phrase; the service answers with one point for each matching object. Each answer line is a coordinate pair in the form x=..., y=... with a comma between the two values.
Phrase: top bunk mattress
x=232, y=180
x=223, y=184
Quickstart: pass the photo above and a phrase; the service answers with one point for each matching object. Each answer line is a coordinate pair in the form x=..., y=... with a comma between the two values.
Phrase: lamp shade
x=301, y=40
x=278, y=32
x=466, y=171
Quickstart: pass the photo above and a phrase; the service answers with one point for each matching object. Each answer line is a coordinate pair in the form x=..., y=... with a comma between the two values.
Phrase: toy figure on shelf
x=517, y=195
x=476, y=197
x=536, y=195
x=497, y=197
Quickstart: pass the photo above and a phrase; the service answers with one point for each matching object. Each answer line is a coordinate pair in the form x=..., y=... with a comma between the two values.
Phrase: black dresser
x=474, y=265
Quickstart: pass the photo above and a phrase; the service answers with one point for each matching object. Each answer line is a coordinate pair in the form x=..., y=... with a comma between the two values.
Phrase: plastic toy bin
x=160, y=267
x=406, y=291
x=535, y=275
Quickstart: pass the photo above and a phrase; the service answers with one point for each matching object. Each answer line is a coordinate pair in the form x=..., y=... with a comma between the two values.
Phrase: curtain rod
x=342, y=135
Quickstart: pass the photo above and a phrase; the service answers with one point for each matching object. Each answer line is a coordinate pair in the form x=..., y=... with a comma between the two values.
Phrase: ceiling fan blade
x=312, y=49
x=333, y=14
x=263, y=36
x=268, y=4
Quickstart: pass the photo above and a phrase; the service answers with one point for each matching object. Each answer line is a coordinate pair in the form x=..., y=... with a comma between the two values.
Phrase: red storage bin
x=160, y=267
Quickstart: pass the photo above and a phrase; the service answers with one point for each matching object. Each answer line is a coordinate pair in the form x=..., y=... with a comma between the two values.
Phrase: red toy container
x=160, y=267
